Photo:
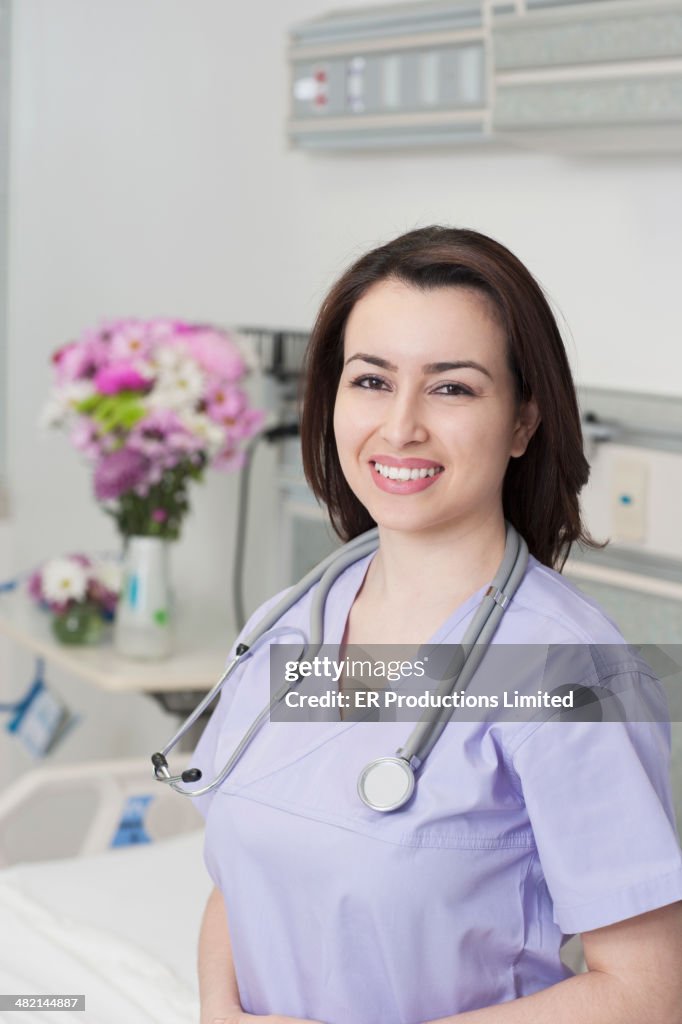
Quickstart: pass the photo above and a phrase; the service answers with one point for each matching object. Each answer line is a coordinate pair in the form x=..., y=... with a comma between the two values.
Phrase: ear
x=527, y=422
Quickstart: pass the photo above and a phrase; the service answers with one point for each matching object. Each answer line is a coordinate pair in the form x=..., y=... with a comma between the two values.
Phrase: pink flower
x=81, y=560
x=118, y=472
x=35, y=587
x=119, y=377
x=130, y=340
x=225, y=403
x=216, y=353
x=103, y=597
x=229, y=406
x=229, y=459
x=159, y=515
x=162, y=329
x=84, y=437
x=248, y=424
x=73, y=362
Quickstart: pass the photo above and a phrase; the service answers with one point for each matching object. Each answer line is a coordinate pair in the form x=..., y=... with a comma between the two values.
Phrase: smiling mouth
x=402, y=473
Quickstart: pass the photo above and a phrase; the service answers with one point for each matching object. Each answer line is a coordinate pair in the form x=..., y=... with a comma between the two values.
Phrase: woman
x=438, y=404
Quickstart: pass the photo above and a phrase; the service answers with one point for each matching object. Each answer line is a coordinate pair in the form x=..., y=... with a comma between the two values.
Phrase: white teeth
x=396, y=473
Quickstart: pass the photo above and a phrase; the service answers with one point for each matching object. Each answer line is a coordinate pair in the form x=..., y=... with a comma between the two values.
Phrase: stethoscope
x=386, y=783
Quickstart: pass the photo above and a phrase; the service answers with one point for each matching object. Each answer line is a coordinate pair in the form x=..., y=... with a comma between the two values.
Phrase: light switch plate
x=629, y=493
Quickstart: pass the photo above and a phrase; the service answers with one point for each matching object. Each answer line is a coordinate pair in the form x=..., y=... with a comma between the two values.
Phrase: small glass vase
x=143, y=625
x=80, y=624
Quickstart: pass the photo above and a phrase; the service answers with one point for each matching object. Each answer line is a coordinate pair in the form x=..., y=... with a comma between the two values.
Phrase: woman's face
x=426, y=393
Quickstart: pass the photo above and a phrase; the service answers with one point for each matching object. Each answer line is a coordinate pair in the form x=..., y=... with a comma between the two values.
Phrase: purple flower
x=84, y=437
x=162, y=438
x=35, y=587
x=105, y=599
x=119, y=377
x=118, y=472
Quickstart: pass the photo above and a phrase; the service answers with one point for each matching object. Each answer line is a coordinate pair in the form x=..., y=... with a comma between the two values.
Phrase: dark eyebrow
x=428, y=368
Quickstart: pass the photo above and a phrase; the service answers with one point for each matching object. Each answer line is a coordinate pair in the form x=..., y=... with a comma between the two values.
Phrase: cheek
x=343, y=431
x=493, y=428
x=338, y=420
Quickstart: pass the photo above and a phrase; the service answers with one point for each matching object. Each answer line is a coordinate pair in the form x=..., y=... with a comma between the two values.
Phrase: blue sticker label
x=131, y=829
x=133, y=589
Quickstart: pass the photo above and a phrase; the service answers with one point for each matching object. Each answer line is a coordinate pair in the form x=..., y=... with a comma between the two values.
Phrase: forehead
x=399, y=315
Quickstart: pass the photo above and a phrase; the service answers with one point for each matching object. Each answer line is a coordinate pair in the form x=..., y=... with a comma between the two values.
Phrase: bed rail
x=73, y=810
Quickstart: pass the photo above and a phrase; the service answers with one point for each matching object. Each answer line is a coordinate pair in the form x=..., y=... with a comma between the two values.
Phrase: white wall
x=150, y=175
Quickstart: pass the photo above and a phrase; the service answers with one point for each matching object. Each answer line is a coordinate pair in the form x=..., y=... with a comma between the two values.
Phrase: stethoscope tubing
x=474, y=646
x=326, y=572
x=427, y=731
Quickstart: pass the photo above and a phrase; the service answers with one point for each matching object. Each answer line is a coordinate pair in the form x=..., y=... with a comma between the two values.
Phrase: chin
x=401, y=521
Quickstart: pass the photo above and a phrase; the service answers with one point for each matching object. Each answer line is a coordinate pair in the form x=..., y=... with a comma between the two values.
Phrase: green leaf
x=121, y=411
x=88, y=405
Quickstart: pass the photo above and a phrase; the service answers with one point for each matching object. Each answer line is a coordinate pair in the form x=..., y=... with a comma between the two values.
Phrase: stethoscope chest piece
x=386, y=784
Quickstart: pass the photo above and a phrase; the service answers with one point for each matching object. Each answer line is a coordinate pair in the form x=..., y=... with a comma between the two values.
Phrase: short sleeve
x=599, y=800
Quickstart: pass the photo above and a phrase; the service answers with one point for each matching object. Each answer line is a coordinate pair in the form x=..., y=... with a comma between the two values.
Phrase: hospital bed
x=119, y=926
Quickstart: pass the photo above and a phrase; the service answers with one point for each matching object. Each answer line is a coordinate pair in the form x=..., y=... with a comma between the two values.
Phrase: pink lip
x=404, y=486
x=390, y=460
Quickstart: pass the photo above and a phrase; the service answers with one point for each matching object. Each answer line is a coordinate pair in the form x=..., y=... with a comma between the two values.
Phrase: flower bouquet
x=151, y=404
x=80, y=594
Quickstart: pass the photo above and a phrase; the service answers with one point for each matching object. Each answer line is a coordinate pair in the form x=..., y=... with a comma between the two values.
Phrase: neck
x=435, y=567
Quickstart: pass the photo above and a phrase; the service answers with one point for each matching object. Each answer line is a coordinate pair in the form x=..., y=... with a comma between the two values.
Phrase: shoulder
x=550, y=609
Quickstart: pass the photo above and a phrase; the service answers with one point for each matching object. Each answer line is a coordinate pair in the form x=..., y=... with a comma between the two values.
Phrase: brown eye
x=453, y=390
x=369, y=382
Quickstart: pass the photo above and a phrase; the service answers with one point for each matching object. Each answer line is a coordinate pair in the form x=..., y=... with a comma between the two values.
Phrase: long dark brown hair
x=541, y=488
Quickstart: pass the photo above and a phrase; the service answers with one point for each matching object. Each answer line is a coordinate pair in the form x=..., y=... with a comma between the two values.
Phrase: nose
x=403, y=423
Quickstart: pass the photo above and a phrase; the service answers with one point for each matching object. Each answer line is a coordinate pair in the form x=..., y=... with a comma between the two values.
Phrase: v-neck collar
x=343, y=595
x=303, y=737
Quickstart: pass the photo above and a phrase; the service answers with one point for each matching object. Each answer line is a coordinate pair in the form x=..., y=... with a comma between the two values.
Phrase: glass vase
x=80, y=624
x=143, y=626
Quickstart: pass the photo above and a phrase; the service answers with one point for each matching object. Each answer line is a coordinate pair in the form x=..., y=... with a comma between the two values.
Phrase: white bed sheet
x=120, y=927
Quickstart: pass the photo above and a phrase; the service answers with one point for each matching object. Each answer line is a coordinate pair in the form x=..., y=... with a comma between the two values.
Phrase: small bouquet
x=80, y=593
x=151, y=404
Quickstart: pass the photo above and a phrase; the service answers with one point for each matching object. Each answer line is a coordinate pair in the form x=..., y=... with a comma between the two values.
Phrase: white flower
x=179, y=385
x=167, y=357
x=62, y=402
x=53, y=412
x=207, y=430
x=64, y=580
x=109, y=573
x=145, y=368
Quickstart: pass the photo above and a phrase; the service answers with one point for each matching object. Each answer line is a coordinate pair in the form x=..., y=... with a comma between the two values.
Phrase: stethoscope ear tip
x=163, y=775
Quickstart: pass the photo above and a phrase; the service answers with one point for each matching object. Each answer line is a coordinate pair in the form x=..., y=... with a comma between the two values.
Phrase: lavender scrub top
x=518, y=835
